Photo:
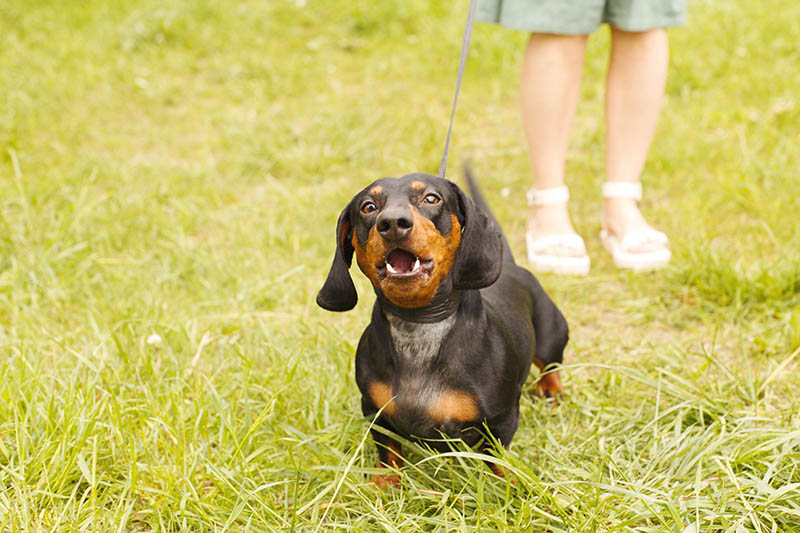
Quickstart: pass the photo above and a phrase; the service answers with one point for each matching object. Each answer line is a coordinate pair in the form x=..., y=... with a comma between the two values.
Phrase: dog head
x=412, y=237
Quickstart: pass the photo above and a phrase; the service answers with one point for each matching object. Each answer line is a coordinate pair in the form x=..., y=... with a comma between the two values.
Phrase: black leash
x=464, y=52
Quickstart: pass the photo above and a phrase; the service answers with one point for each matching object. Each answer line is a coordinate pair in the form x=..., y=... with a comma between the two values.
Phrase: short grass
x=171, y=172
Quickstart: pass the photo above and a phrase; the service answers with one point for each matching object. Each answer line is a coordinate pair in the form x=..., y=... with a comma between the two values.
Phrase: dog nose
x=394, y=224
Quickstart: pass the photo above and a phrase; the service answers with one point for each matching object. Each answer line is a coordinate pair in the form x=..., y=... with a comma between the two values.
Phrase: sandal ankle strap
x=622, y=189
x=556, y=195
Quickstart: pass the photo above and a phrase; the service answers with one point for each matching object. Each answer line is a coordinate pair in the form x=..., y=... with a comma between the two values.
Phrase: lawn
x=171, y=174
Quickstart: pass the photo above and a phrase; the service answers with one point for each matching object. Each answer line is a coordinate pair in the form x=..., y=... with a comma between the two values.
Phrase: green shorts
x=580, y=17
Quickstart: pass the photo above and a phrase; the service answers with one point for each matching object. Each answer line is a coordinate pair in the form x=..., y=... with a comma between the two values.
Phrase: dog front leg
x=389, y=456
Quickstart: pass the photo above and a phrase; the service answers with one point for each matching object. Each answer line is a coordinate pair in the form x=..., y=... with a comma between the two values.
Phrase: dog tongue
x=401, y=260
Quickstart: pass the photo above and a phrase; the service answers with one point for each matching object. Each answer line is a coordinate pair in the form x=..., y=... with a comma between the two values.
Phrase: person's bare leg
x=549, y=89
x=637, y=73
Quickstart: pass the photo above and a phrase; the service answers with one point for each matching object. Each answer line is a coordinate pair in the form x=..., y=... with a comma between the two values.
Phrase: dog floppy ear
x=338, y=293
x=479, y=259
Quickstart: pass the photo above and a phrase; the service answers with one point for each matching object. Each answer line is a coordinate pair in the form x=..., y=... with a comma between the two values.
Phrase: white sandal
x=540, y=254
x=619, y=247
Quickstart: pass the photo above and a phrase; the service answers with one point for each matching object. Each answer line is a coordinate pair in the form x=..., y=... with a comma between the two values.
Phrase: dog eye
x=432, y=199
x=368, y=207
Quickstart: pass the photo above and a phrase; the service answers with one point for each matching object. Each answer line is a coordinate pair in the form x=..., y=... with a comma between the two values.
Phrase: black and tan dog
x=456, y=323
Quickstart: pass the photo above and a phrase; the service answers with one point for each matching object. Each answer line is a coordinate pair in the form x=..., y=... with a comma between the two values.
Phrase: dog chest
x=416, y=343
x=418, y=400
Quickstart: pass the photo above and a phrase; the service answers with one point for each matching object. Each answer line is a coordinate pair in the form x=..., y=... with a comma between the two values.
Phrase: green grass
x=176, y=169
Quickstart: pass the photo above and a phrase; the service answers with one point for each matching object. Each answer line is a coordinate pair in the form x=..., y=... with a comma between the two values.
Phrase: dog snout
x=395, y=224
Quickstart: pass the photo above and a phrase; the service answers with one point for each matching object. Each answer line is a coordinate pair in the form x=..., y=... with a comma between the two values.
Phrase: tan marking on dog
x=497, y=470
x=417, y=185
x=371, y=254
x=454, y=405
x=549, y=382
x=386, y=481
x=376, y=190
x=381, y=395
x=394, y=451
x=425, y=242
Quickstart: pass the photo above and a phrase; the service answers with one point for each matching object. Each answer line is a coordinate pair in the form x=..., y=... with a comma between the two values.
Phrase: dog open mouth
x=402, y=263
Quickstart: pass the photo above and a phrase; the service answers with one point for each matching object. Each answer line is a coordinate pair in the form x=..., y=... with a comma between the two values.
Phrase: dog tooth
x=390, y=268
x=416, y=265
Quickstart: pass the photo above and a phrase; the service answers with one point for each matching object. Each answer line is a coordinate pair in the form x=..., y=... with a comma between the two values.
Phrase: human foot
x=626, y=235
x=553, y=245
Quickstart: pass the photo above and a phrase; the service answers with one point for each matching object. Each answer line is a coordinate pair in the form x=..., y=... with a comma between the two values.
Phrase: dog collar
x=436, y=311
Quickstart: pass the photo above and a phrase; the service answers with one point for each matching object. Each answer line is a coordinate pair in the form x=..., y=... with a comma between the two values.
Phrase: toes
x=645, y=247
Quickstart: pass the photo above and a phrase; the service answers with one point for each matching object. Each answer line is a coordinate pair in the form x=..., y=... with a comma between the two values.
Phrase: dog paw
x=549, y=386
x=497, y=470
x=387, y=481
